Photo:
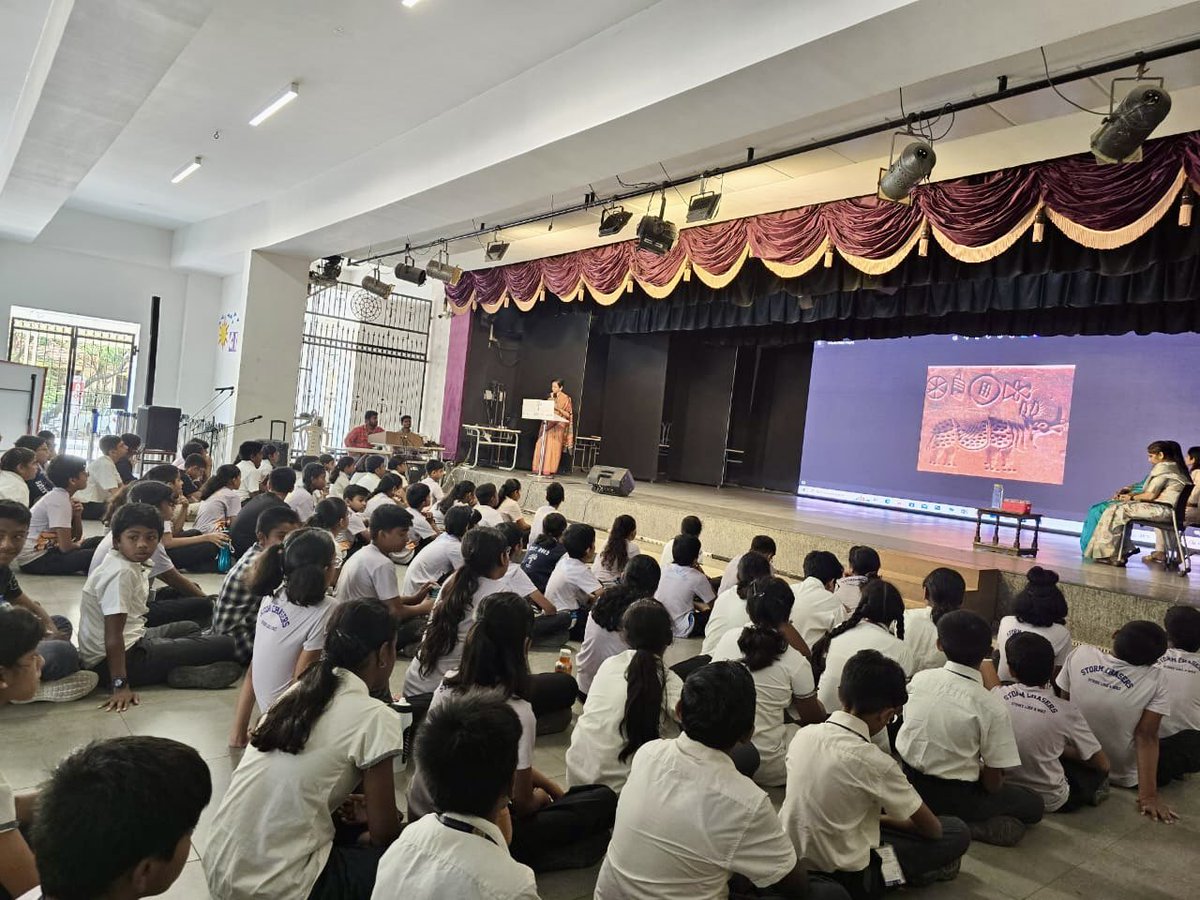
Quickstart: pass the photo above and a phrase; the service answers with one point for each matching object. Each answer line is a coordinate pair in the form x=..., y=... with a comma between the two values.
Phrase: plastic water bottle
x=224, y=559
x=997, y=495
x=564, y=663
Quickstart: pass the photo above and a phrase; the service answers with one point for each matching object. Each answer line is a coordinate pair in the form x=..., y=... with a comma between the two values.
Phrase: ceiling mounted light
x=410, y=272
x=186, y=170
x=290, y=93
x=914, y=164
x=496, y=249
x=327, y=271
x=655, y=233
x=376, y=286
x=703, y=206
x=613, y=220
x=440, y=269
x=1121, y=134
x=409, y=4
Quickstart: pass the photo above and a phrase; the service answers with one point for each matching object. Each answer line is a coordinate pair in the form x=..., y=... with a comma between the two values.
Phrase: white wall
x=435, y=372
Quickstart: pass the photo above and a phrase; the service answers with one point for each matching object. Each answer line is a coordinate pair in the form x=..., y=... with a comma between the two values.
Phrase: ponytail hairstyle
x=387, y=484
x=298, y=564
x=222, y=478
x=639, y=581
x=329, y=513
x=356, y=629
x=1041, y=602
x=510, y=487
x=769, y=604
x=345, y=465
x=494, y=650
x=615, y=554
x=881, y=603
x=648, y=632
x=944, y=590
x=553, y=527
x=751, y=567
x=456, y=495
x=312, y=472
x=1173, y=454
x=483, y=551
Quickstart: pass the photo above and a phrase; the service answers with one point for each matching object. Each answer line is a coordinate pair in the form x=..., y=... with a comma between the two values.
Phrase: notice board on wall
x=21, y=389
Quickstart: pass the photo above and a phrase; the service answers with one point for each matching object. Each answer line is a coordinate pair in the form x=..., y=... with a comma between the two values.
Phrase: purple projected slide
x=868, y=399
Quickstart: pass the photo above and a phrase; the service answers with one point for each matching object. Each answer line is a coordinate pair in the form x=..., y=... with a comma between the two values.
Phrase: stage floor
x=947, y=540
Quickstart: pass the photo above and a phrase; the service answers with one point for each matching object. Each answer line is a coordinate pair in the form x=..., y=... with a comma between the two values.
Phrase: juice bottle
x=564, y=663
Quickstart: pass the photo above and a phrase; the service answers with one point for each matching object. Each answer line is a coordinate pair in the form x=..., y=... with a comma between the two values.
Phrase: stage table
x=495, y=438
x=1019, y=519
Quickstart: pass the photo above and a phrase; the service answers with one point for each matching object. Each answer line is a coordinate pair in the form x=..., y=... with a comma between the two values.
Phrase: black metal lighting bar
x=1004, y=92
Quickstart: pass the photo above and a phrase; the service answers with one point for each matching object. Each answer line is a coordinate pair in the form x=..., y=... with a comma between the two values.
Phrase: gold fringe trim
x=982, y=253
x=879, y=266
x=661, y=293
x=795, y=270
x=719, y=281
x=607, y=299
x=1109, y=240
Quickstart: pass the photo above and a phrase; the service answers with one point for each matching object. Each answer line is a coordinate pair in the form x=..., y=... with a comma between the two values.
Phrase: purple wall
x=456, y=373
x=866, y=398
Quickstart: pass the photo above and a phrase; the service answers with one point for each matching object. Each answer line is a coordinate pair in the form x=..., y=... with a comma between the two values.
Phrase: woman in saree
x=1155, y=501
x=555, y=436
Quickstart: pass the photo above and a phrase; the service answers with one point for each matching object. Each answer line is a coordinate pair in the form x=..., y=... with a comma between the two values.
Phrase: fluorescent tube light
x=290, y=93
x=186, y=171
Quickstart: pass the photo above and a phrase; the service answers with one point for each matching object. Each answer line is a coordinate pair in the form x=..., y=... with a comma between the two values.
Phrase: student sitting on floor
x=195, y=445
x=388, y=492
x=220, y=500
x=555, y=495
x=370, y=574
x=468, y=750
x=40, y=485
x=630, y=702
x=193, y=477
x=783, y=678
x=487, y=499
x=864, y=566
x=270, y=461
x=944, y=589
x=603, y=637
x=357, y=531
x=55, y=545
x=21, y=633
x=249, y=459
x=542, y=556
x=18, y=466
x=189, y=549
x=61, y=680
x=245, y=526
x=103, y=478
x=370, y=470
x=282, y=829
x=114, y=639
x=1040, y=608
x=303, y=498
x=1180, y=665
x=435, y=470
x=551, y=624
x=116, y=818
x=462, y=494
x=1061, y=760
x=572, y=587
x=729, y=609
x=423, y=530
x=838, y=780
x=339, y=480
x=618, y=550
x=1124, y=698
x=332, y=515
x=443, y=555
x=687, y=821
x=957, y=739
x=551, y=828
x=133, y=449
x=763, y=545
x=684, y=589
x=509, y=506
x=818, y=610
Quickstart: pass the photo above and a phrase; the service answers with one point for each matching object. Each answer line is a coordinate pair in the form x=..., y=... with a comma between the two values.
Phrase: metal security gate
x=87, y=369
x=362, y=352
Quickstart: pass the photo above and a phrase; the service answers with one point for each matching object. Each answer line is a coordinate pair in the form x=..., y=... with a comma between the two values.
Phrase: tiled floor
x=1109, y=852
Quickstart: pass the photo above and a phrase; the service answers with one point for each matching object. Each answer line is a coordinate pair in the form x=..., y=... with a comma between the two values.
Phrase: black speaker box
x=611, y=480
x=158, y=427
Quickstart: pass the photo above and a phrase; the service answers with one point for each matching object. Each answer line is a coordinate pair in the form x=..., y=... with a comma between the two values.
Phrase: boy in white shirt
x=103, y=478
x=573, y=586
x=249, y=462
x=555, y=495
x=419, y=497
x=817, y=611
x=1124, y=699
x=357, y=533
x=864, y=565
x=435, y=470
x=762, y=544
x=688, y=525
x=839, y=779
x=684, y=589
x=488, y=498
x=443, y=555
x=1179, y=734
x=957, y=739
x=1061, y=759
x=467, y=754
x=55, y=544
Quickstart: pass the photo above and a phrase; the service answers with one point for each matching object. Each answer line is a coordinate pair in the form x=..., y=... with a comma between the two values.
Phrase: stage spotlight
x=439, y=269
x=327, y=271
x=655, y=233
x=703, y=206
x=409, y=272
x=914, y=163
x=1119, y=137
x=377, y=287
x=613, y=220
x=495, y=251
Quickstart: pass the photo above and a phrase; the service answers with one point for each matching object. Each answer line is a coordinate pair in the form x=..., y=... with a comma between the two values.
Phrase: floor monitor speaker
x=611, y=480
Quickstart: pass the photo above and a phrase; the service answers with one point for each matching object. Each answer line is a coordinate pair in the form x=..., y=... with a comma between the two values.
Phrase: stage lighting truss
x=904, y=172
x=655, y=234
x=1129, y=123
x=613, y=219
x=440, y=269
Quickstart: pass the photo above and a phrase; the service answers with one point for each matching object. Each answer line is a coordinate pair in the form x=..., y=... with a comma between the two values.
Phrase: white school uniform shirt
x=356, y=523
x=1058, y=636
x=421, y=529
x=849, y=592
x=302, y=501
x=535, y=530
x=686, y=821
x=728, y=614
x=225, y=503
x=953, y=724
x=252, y=477
x=599, y=644
x=1182, y=673
x=375, y=502
x=863, y=636
x=571, y=584
x=102, y=478
x=920, y=634
x=815, y=611
x=432, y=859
x=273, y=831
x=838, y=780
x=159, y=563
x=596, y=740
x=510, y=510
x=1044, y=724
x=369, y=480
x=678, y=588
x=53, y=511
x=14, y=488
x=440, y=557
x=369, y=574
x=1112, y=695
x=775, y=686
x=264, y=471
x=729, y=576
x=436, y=494
x=8, y=807
x=490, y=516
x=667, y=557
x=608, y=576
x=116, y=586
x=284, y=630
x=337, y=487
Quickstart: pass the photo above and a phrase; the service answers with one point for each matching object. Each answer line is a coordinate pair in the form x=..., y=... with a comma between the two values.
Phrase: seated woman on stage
x=1155, y=502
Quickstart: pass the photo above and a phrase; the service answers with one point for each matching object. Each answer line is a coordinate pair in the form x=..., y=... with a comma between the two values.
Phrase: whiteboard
x=21, y=389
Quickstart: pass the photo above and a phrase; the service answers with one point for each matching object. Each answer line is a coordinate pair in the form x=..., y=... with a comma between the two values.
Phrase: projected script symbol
x=985, y=390
x=937, y=387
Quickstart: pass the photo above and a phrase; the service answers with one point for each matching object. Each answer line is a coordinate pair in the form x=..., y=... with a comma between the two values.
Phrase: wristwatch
x=119, y=684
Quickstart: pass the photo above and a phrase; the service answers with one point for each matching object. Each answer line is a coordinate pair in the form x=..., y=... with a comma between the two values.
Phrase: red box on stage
x=1020, y=507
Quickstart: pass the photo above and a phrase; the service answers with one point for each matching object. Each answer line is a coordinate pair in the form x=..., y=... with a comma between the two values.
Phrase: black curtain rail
x=1141, y=57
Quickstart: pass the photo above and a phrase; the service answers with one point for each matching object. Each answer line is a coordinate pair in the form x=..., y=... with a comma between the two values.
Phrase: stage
x=1101, y=598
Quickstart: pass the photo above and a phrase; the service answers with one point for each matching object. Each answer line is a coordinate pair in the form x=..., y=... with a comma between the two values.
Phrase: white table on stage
x=540, y=411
